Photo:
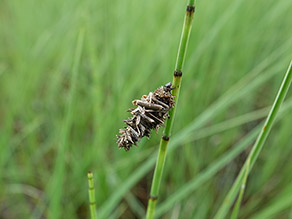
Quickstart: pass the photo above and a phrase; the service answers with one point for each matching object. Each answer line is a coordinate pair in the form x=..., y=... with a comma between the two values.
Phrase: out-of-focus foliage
x=69, y=69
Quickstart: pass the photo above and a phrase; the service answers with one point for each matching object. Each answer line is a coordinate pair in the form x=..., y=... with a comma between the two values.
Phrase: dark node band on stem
x=177, y=73
x=165, y=138
x=92, y=203
x=153, y=198
x=190, y=9
x=91, y=188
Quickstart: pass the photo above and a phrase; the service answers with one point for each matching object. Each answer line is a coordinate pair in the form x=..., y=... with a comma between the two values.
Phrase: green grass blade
x=218, y=164
x=223, y=210
x=243, y=87
x=206, y=174
x=121, y=58
x=236, y=208
x=277, y=205
x=55, y=188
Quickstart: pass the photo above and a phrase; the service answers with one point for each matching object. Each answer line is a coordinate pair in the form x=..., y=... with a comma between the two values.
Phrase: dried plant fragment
x=151, y=113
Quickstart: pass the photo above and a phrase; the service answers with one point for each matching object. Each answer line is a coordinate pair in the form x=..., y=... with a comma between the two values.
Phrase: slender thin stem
x=257, y=146
x=176, y=83
x=236, y=208
x=91, y=193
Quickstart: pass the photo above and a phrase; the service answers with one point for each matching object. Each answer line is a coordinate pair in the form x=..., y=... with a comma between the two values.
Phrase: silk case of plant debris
x=151, y=113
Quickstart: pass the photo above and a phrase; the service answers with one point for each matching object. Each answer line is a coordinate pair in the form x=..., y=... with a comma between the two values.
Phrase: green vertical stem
x=223, y=210
x=176, y=83
x=91, y=193
x=236, y=208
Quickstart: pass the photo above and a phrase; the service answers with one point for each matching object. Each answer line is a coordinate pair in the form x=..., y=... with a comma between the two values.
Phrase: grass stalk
x=209, y=172
x=243, y=87
x=91, y=193
x=176, y=83
x=236, y=208
x=55, y=190
x=240, y=180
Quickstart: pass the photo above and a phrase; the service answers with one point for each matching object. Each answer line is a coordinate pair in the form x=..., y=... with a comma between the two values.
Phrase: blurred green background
x=69, y=70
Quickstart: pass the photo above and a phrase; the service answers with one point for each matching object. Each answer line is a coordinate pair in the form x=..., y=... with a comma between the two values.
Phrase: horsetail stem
x=91, y=193
x=176, y=83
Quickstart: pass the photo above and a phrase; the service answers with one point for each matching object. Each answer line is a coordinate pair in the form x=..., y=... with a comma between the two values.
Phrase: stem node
x=177, y=73
x=165, y=138
x=190, y=9
x=153, y=198
x=177, y=76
